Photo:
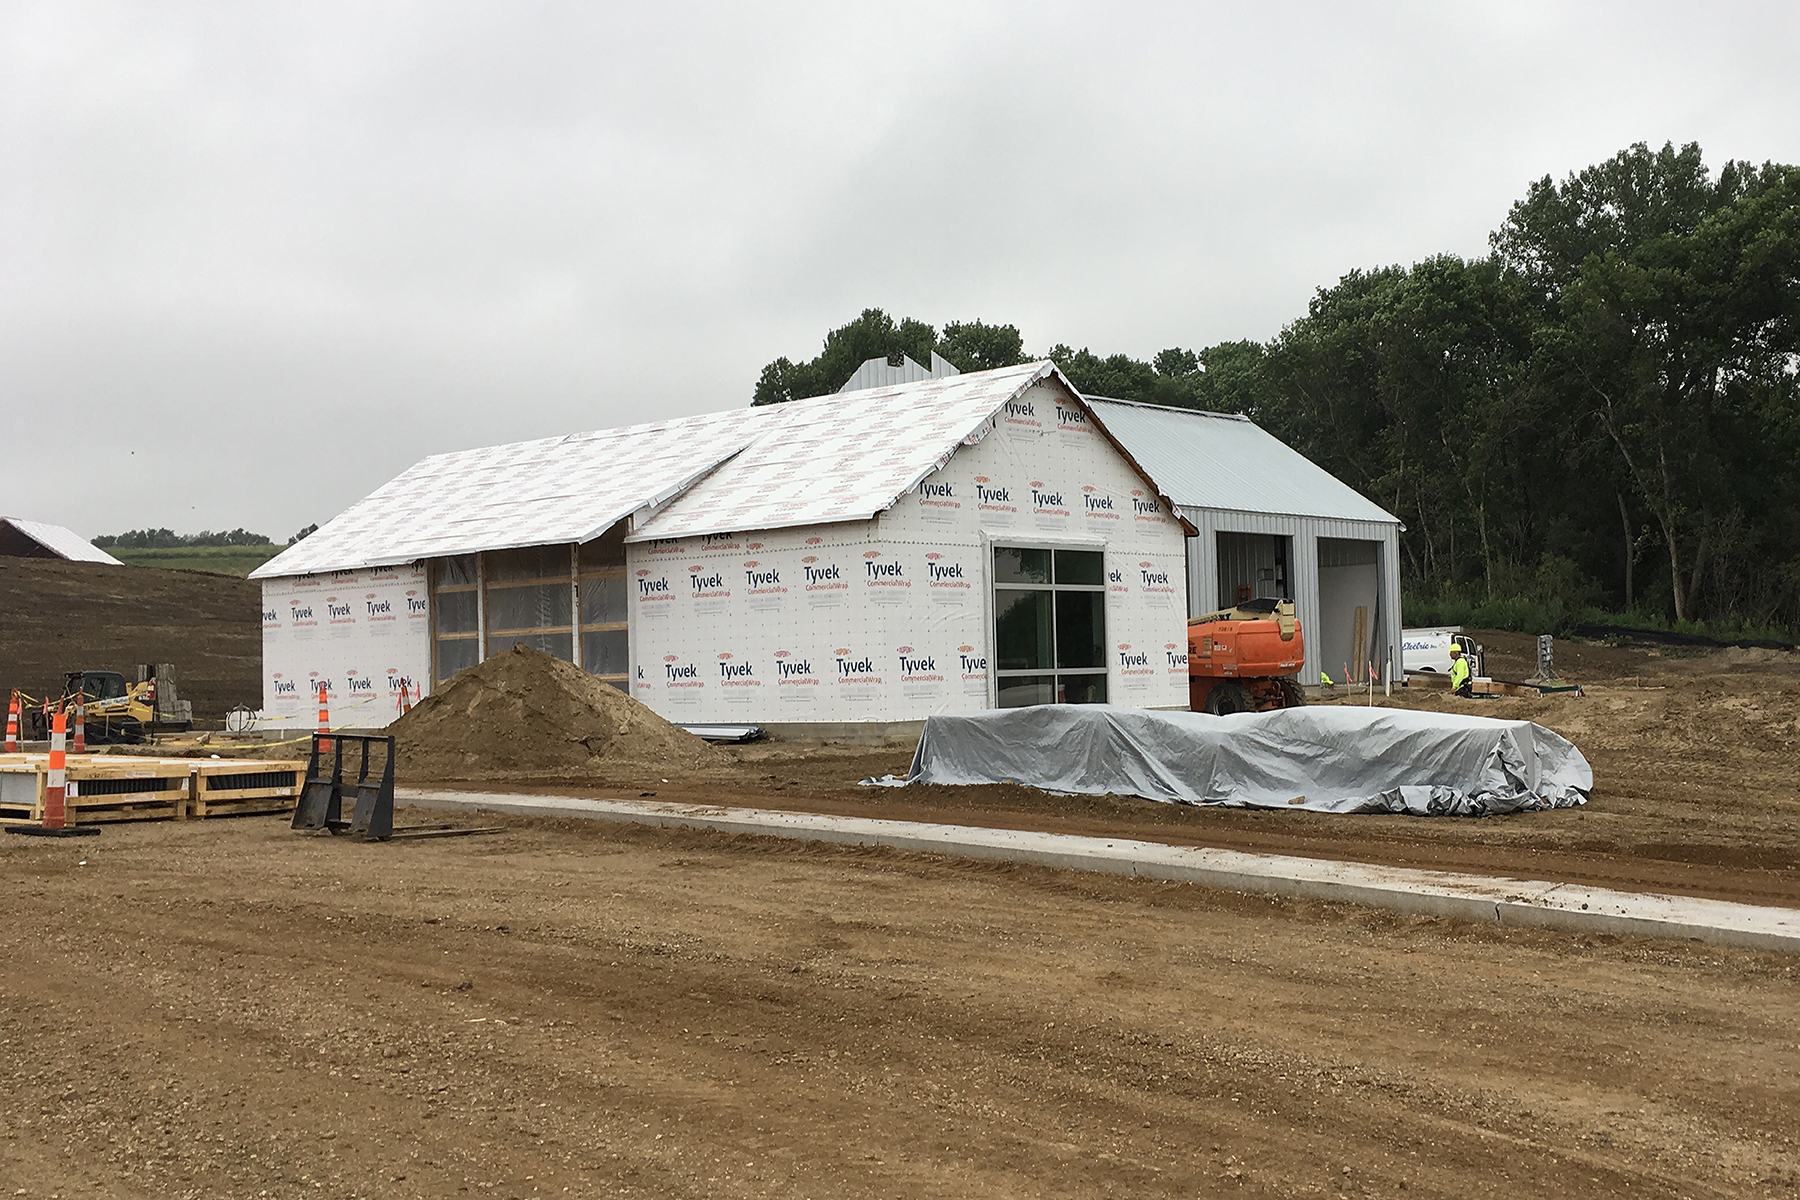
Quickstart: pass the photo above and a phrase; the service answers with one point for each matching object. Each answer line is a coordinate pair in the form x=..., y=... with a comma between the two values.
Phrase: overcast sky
x=255, y=259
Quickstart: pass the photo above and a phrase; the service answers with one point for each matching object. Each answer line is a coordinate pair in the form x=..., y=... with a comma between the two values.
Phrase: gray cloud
x=256, y=261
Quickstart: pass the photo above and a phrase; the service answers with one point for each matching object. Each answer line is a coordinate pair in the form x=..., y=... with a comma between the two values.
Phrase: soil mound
x=524, y=714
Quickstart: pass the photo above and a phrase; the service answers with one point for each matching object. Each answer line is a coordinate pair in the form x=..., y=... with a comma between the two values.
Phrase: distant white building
x=1271, y=524
x=945, y=545
x=40, y=539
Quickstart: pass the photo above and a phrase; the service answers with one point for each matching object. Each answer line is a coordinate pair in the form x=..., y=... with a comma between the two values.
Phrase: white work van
x=1429, y=649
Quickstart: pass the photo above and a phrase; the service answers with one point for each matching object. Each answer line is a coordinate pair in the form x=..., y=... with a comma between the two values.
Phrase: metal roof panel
x=1225, y=461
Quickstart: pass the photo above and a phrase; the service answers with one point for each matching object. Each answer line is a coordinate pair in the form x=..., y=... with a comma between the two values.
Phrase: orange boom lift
x=1245, y=659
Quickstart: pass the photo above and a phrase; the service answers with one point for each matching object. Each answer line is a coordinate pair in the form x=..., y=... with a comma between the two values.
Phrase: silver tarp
x=1333, y=758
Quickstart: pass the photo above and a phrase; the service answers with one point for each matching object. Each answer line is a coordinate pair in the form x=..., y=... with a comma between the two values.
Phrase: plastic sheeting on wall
x=1329, y=759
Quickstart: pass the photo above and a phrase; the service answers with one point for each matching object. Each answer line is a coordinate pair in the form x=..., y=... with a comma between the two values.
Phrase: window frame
x=596, y=571
x=996, y=676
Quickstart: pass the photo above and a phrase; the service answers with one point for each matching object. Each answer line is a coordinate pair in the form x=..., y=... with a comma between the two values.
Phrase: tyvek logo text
x=853, y=668
x=941, y=572
x=993, y=498
x=879, y=572
x=821, y=575
x=1133, y=662
x=916, y=667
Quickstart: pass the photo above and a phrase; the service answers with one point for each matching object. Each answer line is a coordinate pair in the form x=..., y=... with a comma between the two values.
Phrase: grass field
x=220, y=560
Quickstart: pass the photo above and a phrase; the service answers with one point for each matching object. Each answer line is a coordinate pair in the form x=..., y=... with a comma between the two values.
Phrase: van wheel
x=1228, y=698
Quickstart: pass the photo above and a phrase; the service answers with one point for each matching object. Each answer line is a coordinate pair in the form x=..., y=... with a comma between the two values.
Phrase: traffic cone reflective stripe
x=55, y=815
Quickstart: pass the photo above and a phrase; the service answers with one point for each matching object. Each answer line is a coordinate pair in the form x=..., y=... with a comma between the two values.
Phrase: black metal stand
x=322, y=798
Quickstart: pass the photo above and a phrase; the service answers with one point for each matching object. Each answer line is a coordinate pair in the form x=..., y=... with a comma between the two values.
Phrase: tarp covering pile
x=1329, y=759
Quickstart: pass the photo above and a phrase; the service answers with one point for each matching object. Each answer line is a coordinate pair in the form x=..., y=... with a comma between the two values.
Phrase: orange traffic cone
x=324, y=719
x=12, y=724
x=81, y=722
x=56, y=813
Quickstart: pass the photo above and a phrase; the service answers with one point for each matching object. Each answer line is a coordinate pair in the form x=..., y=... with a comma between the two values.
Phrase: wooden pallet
x=119, y=788
x=238, y=787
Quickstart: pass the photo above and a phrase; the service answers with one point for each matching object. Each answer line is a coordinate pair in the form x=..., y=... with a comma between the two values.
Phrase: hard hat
x=1455, y=649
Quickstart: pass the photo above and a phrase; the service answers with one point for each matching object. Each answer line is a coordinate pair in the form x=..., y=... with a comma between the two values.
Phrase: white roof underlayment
x=833, y=458
x=567, y=489
x=64, y=543
x=1225, y=461
x=845, y=457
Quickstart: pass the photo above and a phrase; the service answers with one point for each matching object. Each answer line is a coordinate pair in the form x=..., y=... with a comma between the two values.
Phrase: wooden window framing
x=438, y=589
x=495, y=637
x=604, y=564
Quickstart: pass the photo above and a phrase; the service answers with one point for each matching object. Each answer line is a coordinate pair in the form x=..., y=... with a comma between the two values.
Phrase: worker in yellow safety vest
x=1461, y=682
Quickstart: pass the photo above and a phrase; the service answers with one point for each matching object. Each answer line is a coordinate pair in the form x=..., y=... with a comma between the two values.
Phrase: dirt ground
x=59, y=616
x=1697, y=785
x=229, y=1009
x=226, y=1008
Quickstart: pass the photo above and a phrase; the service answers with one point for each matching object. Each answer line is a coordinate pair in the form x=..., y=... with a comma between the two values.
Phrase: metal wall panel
x=1304, y=534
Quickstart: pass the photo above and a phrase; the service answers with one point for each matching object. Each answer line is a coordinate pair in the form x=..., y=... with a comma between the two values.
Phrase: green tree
x=874, y=334
x=1673, y=302
x=978, y=346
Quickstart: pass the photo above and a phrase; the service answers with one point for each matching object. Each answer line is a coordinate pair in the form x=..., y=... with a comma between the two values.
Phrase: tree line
x=168, y=539
x=1602, y=412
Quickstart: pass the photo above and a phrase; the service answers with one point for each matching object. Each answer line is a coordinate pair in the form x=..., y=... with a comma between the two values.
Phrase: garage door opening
x=1349, y=615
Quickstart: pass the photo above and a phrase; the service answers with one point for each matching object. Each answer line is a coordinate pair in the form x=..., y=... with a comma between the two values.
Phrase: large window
x=529, y=599
x=563, y=600
x=456, y=594
x=1049, y=626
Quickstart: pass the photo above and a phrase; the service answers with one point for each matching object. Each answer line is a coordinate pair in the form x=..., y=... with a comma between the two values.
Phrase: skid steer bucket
x=372, y=795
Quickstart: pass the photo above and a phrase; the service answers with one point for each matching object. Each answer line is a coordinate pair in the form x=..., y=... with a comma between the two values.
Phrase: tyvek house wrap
x=890, y=618
x=1335, y=758
x=363, y=634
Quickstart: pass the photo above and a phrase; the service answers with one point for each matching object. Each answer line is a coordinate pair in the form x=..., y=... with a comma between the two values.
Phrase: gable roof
x=842, y=457
x=63, y=543
x=1226, y=461
x=847, y=456
x=567, y=489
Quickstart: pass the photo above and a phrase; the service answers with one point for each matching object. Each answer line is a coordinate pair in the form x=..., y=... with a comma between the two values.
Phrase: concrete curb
x=1478, y=898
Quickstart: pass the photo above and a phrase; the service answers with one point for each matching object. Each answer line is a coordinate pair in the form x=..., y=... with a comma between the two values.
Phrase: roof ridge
x=1175, y=408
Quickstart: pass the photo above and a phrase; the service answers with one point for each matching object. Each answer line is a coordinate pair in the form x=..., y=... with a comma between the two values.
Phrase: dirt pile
x=526, y=715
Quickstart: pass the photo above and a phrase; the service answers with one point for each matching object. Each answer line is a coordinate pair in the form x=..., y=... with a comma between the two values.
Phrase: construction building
x=943, y=545
x=40, y=539
x=1271, y=524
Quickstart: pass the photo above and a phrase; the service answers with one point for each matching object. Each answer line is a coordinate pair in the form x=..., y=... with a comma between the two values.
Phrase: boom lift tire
x=1291, y=695
x=1229, y=697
